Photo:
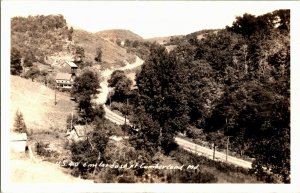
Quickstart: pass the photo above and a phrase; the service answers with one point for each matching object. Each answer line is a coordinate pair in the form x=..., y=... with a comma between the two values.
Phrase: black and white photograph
x=135, y=93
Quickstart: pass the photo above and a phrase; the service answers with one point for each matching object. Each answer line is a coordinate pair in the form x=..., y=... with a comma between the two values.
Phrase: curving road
x=187, y=145
x=101, y=98
x=207, y=152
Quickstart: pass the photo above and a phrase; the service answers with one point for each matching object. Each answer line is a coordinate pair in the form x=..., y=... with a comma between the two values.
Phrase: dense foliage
x=35, y=37
x=231, y=83
x=121, y=85
x=15, y=62
x=85, y=87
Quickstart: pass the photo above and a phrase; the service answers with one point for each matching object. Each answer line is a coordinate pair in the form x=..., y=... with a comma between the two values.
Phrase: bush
x=41, y=150
x=117, y=106
x=194, y=133
x=32, y=73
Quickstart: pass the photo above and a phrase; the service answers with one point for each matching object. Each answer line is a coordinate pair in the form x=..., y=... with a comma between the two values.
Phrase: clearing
x=36, y=102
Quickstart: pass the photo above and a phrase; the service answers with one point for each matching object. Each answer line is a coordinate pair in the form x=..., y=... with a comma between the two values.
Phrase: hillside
x=163, y=40
x=49, y=39
x=120, y=34
x=37, y=37
x=111, y=52
x=36, y=102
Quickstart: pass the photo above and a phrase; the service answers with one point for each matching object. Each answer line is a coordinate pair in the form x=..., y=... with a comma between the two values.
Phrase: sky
x=147, y=19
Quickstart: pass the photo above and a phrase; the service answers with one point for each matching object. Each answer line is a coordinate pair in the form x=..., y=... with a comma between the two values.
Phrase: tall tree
x=161, y=93
x=79, y=54
x=15, y=61
x=98, y=57
x=85, y=87
x=19, y=125
x=122, y=85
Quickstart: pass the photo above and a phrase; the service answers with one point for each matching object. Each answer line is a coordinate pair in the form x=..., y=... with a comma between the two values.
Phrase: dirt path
x=28, y=169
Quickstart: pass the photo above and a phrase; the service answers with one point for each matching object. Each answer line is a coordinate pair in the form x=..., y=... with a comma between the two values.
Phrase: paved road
x=187, y=145
x=113, y=117
x=207, y=152
x=197, y=149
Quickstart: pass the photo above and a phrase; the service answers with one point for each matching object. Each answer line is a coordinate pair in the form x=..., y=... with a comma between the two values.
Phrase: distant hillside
x=170, y=40
x=111, y=52
x=202, y=33
x=163, y=40
x=48, y=39
x=120, y=34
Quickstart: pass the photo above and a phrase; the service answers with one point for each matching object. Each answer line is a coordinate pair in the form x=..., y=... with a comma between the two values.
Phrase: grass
x=36, y=102
x=225, y=173
x=111, y=52
x=45, y=121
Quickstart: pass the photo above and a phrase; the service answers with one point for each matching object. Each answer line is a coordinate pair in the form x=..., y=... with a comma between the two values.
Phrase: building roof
x=72, y=64
x=63, y=76
x=18, y=137
x=82, y=130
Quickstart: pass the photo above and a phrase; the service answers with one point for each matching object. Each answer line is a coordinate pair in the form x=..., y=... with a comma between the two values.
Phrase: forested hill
x=232, y=84
x=36, y=37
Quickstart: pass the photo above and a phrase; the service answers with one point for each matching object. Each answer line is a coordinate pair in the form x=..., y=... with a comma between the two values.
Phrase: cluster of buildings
x=65, y=79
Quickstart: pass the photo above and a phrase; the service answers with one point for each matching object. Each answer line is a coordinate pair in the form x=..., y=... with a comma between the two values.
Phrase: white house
x=18, y=142
x=64, y=80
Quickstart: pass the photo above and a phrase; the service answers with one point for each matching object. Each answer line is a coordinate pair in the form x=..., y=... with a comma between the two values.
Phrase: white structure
x=18, y=142
x=78, y=133
x=64, y=80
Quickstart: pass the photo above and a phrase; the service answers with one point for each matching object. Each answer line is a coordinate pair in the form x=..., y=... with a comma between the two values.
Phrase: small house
x=78, y=132
x=64, y=80
x=69, y=67
x=18, y=142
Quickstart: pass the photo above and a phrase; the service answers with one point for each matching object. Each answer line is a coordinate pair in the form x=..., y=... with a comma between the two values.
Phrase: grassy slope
x=112, y=53
x=162, y=40
x=119, y=34
x=36, y=102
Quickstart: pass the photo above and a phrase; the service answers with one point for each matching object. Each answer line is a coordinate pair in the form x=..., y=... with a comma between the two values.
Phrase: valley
x=216, y=99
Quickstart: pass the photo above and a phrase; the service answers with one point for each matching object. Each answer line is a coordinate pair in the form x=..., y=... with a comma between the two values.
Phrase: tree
x=148, y=137
x=90, y=151
x=122, y=85
x=98, y=57
x=162, y=93
x=70, y=33
x=79, y=54
x=15, y=61
x=32, y=73
x=29, y=59
x=119, y=42
x=85, y=87
x=19, y=125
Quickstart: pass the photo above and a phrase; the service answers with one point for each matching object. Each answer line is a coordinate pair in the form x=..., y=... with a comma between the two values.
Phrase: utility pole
x=72, y=121
x=109, y=98
x=55, y=96
x=227, y=148
x=126, y=110
x=214, y=151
